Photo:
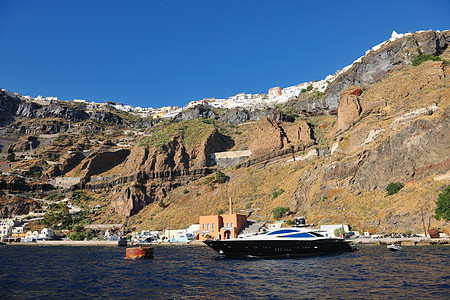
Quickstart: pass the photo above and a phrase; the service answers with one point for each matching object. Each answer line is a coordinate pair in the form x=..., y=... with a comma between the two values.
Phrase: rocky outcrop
x=14, y=183
x=267, y=136
x=27, y=109
x=105, y=116
x=67, y=163
x=8, y=106
x=59, y=111
x=41, y=126
x=173, y=156
x=101, y=161
x=310, y=106
x=240, y=115
x=130, y=200
x=416, y=151
x=196, y=112
x=9, y=208
x=299, y=134
x=349, y=108
x=375, y=65
x=24, y=144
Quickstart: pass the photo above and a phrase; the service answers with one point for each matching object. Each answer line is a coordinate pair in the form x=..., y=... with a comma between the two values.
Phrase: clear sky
x=159, y=53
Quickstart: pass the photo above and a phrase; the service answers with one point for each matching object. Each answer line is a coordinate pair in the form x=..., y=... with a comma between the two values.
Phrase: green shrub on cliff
x=424, y=57
x=394, y=188
x=220, y=177
x=443, y=205
x=276, y=193
x=280, y=211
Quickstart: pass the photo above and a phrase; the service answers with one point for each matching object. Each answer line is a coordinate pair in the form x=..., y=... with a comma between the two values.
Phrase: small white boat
x=394, y=247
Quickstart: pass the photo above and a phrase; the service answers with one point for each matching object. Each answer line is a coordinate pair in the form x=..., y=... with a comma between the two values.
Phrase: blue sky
x=158, y=53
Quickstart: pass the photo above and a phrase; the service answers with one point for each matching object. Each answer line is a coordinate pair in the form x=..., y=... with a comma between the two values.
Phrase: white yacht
x=287, y=241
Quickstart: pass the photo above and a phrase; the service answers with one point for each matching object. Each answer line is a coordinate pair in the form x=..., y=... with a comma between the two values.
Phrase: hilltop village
x=275, y=95
x=363, y=152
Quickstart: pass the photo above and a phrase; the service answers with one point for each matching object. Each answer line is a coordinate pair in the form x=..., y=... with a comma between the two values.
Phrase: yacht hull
x=273, y=248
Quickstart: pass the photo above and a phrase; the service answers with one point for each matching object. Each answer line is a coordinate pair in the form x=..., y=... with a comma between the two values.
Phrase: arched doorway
x=227, y=235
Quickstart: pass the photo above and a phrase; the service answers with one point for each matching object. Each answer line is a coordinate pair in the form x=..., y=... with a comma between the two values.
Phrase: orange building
x=221, y=227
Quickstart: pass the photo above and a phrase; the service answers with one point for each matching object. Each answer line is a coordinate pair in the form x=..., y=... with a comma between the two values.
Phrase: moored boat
x=394, y=247
x=288, y=241
x=123, y=242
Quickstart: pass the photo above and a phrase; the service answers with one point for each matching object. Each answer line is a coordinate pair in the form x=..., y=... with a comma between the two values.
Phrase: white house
x=7, y=227
x=330, y=229
x=31, y=236
x=5, y=231
x=46, y=234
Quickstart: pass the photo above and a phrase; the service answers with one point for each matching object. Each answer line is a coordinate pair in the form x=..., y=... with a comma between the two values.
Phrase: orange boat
x=139, y=252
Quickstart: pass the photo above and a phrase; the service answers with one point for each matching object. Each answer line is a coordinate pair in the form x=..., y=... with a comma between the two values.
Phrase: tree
x=280, y=211
x=58, y=217
x=339, y=231
x=443, y=205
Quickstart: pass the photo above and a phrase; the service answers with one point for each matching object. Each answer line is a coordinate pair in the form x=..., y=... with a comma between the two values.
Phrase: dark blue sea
x=197, y=272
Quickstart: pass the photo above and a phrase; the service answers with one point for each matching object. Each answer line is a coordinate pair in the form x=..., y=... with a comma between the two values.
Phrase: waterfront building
x=220, y=227
x=331, y=228
x=172, y=235
x=31, y=236
x=5, y=231
x=7, y=228
x=46, y=234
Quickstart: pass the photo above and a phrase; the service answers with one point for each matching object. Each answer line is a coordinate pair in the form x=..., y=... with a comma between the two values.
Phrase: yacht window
x=282, y=231
x=316, y=234
x=299, y=235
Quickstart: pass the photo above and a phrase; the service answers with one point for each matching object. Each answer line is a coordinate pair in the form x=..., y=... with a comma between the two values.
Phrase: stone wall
x=231, y=158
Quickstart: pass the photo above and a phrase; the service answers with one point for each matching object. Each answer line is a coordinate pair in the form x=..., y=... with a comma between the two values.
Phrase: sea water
x=197, y=272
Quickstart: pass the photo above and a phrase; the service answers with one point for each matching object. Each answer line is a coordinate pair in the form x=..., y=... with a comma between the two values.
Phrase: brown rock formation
x=267, y=136
x=101, y=161
x=130, y=200
x=299, y=133
x=173, y=156
x=42, y=126
x=10, y=208
x=349, y=108
x=24, y=144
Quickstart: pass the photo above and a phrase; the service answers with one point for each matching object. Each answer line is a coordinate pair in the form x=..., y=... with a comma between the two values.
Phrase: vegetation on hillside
x=280, y=211
x=191, y=132
x=394, y=188
x=424, y=57
x=80, y=234
x=443, y=205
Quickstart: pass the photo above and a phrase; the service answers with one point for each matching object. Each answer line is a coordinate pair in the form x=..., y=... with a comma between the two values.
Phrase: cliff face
x=374, y=66
x=391, y=125
x=8, y=107
x=129, y=200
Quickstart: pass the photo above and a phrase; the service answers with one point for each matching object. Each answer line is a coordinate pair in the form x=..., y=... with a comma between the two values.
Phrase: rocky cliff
x=329, y=157
x=375, y=65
